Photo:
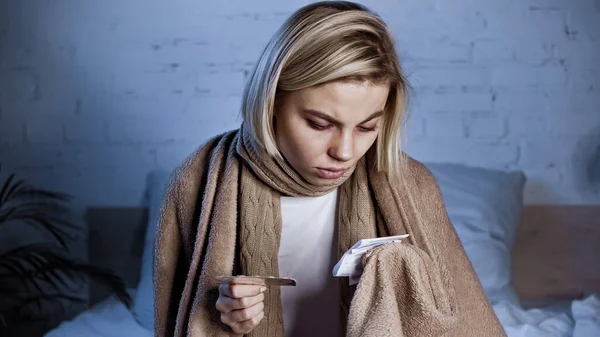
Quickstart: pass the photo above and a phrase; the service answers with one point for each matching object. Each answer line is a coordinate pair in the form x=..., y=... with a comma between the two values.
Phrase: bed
x=538, y=264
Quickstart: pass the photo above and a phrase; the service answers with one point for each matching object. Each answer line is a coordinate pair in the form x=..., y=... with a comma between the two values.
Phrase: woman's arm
x=477, y=317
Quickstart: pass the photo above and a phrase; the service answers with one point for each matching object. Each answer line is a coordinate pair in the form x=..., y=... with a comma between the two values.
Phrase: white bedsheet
x=582, y=319
x=109, y=318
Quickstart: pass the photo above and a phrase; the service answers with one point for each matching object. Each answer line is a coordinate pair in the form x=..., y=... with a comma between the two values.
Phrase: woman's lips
x=330, y=173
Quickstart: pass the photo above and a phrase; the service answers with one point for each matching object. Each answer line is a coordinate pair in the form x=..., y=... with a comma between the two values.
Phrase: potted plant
x=37, y=278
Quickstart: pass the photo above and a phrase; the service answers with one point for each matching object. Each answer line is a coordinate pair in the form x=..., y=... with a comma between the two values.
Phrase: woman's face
x=323, y=131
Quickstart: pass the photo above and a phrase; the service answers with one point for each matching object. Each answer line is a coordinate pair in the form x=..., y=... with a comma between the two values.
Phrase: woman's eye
x=367, y=129
x=318, y=126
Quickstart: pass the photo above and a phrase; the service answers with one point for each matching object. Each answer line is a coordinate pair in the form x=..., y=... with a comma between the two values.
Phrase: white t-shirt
x=308, y=253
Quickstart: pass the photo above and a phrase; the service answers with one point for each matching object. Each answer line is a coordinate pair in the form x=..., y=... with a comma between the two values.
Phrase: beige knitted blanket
x=221, y=216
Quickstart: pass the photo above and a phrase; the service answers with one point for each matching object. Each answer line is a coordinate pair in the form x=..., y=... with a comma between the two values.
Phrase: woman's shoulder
x=419, y=181
x=417, y=173
x=189, y=171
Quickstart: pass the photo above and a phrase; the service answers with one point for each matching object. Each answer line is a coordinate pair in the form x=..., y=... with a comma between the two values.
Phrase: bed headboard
x=556, y=255
x=557, y=252
x=116, y=241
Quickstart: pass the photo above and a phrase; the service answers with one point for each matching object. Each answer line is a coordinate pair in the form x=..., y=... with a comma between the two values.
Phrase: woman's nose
x=342, y=147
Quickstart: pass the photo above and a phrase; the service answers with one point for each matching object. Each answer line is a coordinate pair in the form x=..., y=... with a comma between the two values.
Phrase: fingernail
x=262, y=289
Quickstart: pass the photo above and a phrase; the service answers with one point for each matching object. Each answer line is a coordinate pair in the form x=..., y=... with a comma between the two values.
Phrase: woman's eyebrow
x=334, y=121
x=373, y=116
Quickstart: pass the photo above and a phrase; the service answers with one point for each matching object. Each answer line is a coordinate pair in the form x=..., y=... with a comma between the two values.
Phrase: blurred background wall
x=94, y=94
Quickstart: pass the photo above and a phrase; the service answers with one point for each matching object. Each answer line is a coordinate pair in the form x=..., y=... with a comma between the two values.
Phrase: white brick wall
x=486, y=127
x=93, y=94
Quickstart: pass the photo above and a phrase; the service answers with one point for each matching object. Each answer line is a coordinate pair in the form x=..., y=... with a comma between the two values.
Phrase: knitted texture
x=221, y=215
x=260, y=234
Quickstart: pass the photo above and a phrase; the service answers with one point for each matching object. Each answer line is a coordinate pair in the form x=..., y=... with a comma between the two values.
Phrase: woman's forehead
x=339, y=99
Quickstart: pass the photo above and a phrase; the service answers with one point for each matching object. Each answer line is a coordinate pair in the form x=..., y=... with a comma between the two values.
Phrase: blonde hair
x=320, y=43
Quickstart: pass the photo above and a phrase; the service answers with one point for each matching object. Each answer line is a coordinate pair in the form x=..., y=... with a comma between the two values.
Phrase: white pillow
x=143, y=303
x=485, y=208
x=109, y=317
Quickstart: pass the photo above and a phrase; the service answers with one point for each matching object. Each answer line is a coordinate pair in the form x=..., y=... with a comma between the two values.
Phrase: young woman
x=315, y=166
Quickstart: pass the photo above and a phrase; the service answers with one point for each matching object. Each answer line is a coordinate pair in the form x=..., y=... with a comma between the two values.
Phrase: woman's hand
x=241, y=306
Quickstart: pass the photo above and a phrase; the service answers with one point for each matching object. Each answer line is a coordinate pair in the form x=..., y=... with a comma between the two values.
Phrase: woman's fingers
x=240, y=290
x=248, y=325
x=241, y=306
x=241, y=316
x=226, y=304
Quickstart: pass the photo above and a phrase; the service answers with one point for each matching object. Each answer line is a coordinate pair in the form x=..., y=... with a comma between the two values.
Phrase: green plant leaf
x=34, y=263
x=16, y=188
x=36, y=207
x=31, y=307
x=38, y=219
